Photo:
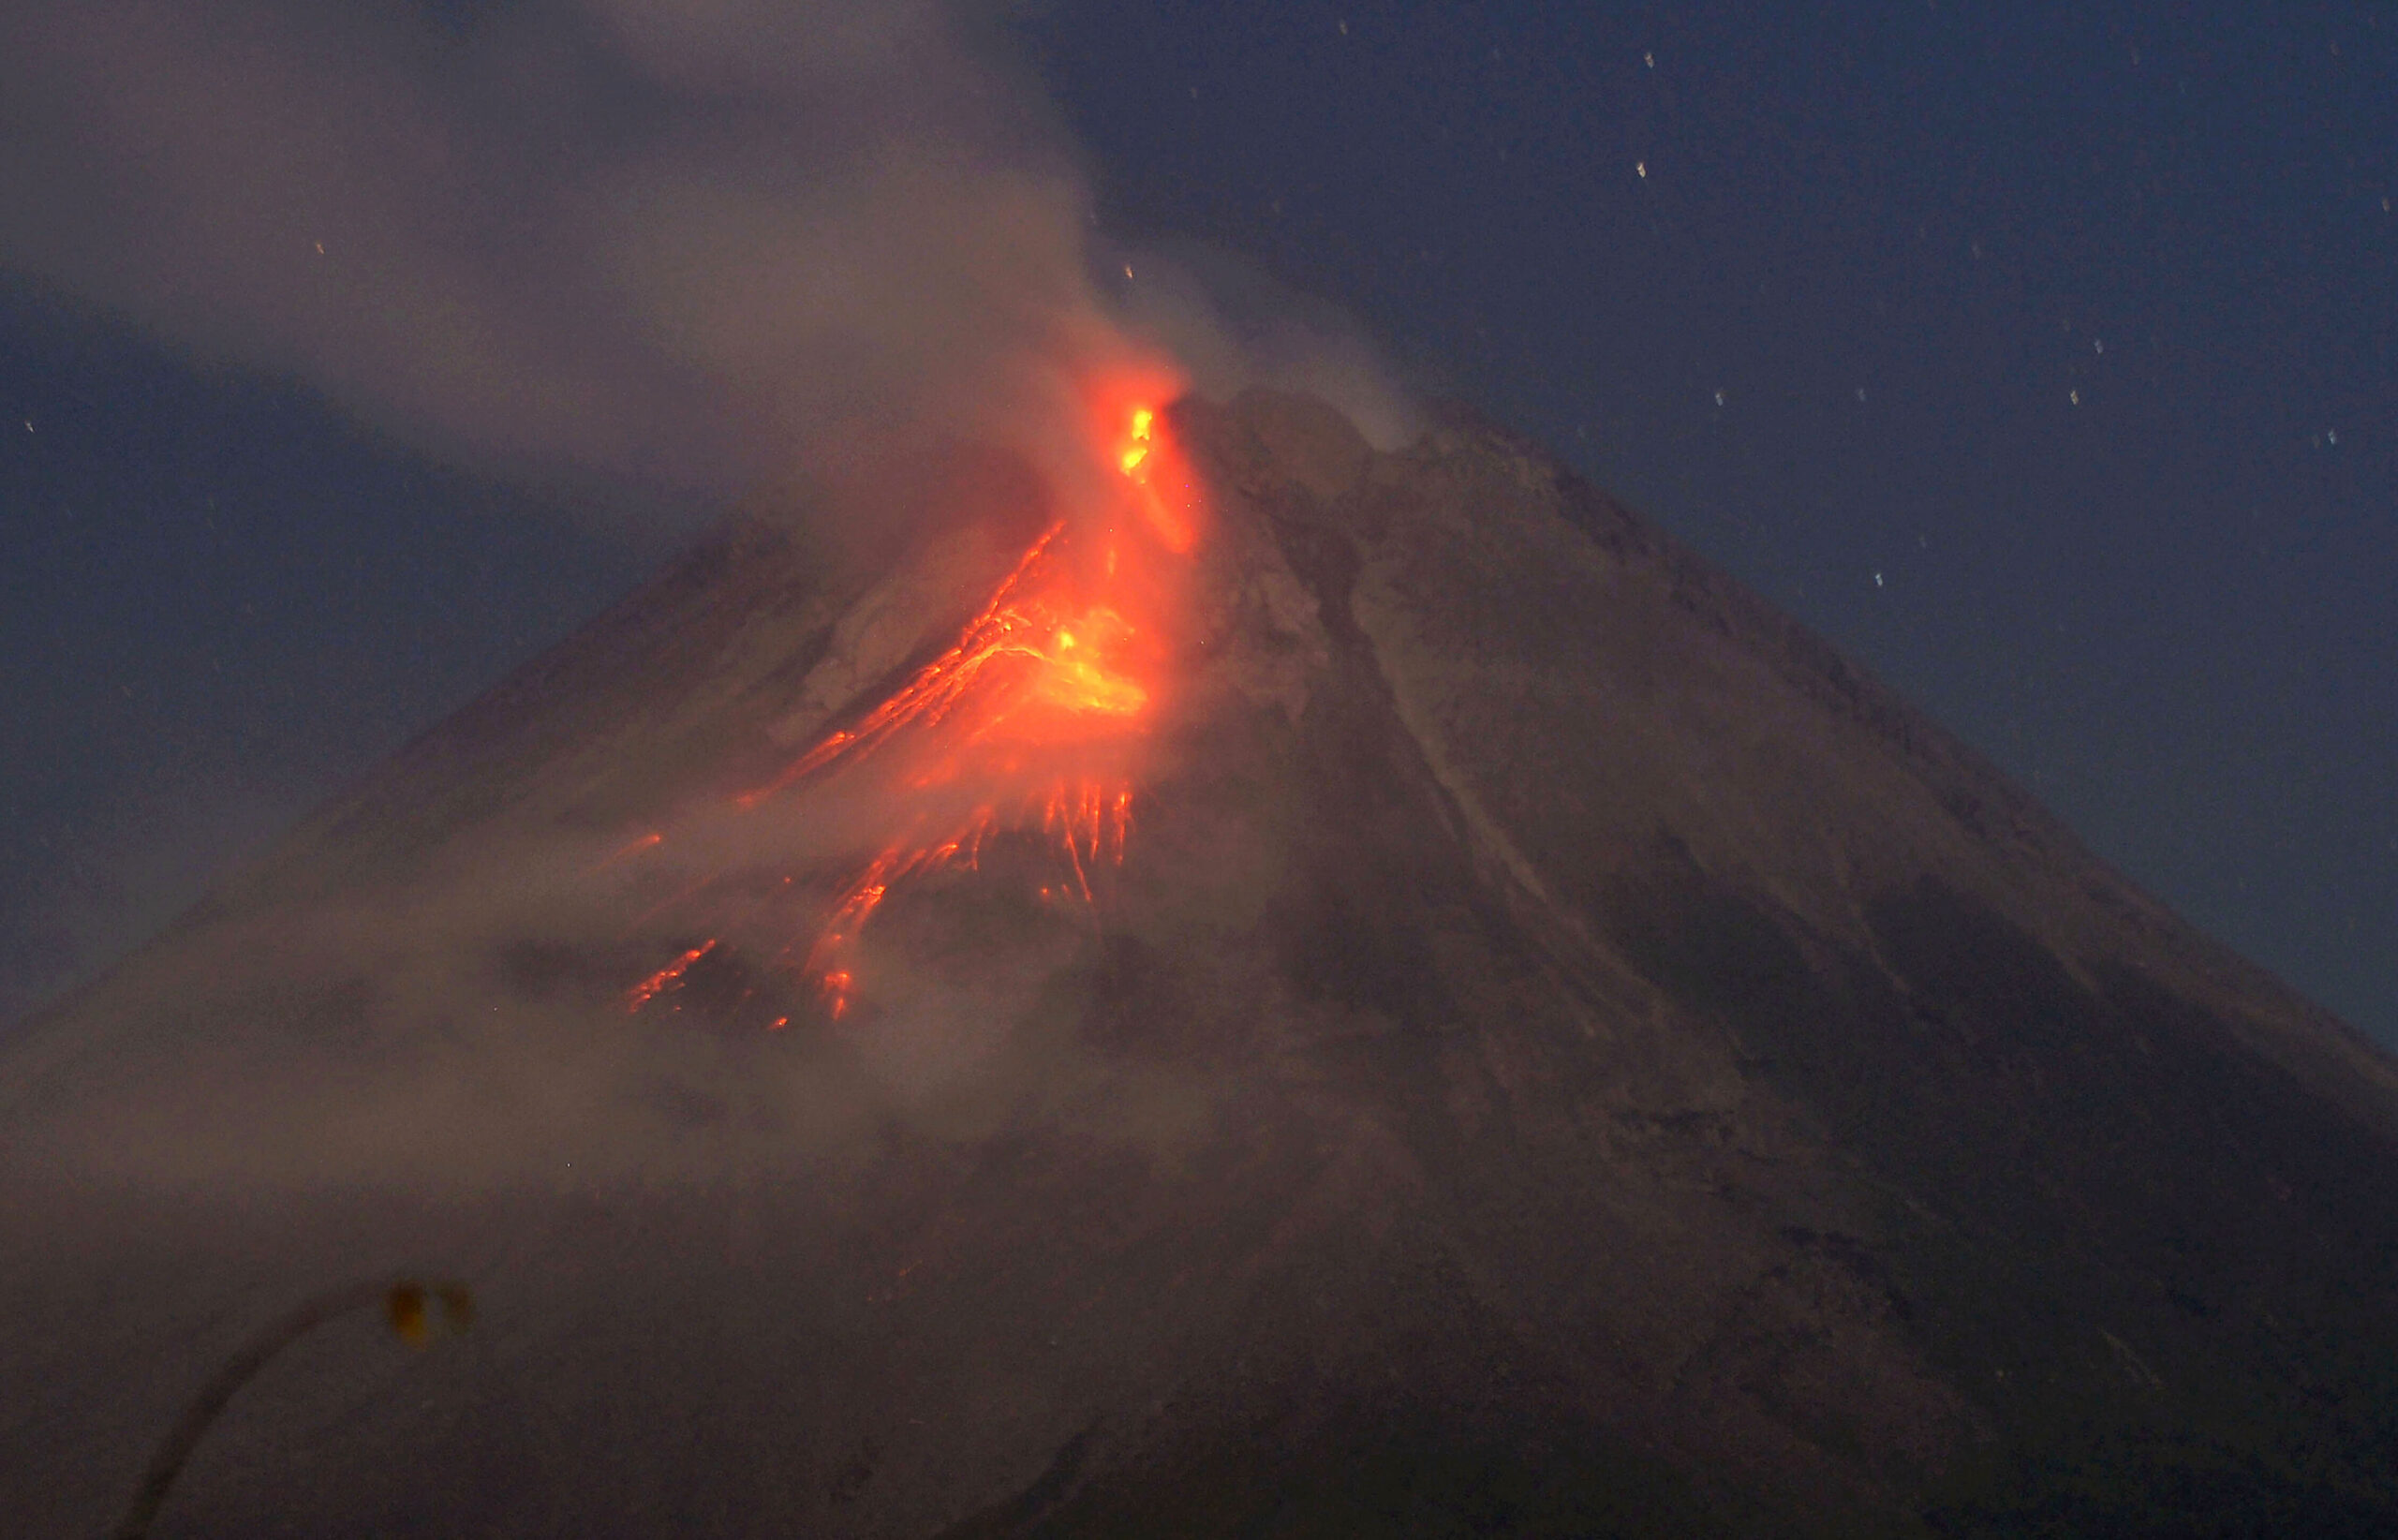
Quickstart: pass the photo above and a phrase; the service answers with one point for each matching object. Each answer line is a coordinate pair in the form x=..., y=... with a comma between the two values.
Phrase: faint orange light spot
x=625, y=852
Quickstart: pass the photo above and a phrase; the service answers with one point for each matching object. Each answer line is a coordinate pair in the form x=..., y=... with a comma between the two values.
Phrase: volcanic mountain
x=1376, y=995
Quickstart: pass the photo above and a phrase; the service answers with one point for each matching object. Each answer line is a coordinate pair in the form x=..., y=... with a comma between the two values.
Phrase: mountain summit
x=1373, y=994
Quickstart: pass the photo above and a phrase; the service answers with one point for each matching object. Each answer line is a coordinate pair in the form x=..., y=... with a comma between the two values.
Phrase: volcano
x=1373, y=994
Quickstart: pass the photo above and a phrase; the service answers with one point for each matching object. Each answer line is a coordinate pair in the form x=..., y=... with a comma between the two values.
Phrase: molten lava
x=1025, y=725
x=1034, y=666
x=667, y=978
x=1174, y=529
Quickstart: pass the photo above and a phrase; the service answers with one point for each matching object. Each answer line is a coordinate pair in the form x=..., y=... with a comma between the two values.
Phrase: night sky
x=2040, y=357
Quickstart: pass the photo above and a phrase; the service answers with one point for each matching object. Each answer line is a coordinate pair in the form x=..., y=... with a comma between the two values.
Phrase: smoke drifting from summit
x=822, y=255
x=685, y=246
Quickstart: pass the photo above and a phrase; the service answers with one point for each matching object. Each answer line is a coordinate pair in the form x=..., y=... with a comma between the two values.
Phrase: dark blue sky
x=2041, y=357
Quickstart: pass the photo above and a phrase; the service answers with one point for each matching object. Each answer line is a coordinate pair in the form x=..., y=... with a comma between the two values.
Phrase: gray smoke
x=649, y=252
x=680, y=243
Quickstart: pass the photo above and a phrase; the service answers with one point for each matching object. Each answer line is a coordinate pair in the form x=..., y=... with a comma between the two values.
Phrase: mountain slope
x=1563, y=1053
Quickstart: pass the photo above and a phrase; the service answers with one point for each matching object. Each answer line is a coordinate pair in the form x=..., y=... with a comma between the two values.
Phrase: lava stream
x=1025, y=722
x=667, y=978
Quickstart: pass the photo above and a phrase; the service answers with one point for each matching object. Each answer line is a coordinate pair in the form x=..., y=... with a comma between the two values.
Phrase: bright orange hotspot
x=1030, y=714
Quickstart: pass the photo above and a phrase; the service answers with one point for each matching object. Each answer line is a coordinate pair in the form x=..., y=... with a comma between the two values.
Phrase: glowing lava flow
x=1024, y=724
x=667, y=978
x=1038, y=681
x=1025, y=653
x=1169, y=526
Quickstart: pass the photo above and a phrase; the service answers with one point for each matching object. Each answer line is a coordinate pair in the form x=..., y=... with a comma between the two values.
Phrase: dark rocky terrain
x=1565, y=1054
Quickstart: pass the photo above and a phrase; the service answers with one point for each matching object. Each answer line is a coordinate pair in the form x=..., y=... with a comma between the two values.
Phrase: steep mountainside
x=1562, y=1052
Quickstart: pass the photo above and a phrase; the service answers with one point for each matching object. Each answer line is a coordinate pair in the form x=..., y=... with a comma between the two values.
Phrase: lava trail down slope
x=1456, y=1018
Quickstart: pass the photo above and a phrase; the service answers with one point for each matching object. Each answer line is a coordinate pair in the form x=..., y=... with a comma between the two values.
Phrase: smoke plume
x=683, y=246
x=651, y=252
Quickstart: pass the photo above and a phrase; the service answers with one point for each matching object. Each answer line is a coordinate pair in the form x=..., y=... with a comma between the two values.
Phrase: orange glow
x=646, y=842
x=1174, y=529
x=667, y=978
x=1050, y=674
x=1027, y=724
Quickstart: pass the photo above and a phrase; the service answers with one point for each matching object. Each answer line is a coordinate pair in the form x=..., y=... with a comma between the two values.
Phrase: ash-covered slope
x=1563, y=1054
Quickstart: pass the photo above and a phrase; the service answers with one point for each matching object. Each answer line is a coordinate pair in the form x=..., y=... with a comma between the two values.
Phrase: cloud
x=80, y=895
x=1233, y=325
x=651, y=250
x=638, y=246
x=435, y=988
x=677, y=246
x=471, y=1027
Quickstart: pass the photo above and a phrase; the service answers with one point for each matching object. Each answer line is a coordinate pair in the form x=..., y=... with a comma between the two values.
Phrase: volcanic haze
x=1562, y=1052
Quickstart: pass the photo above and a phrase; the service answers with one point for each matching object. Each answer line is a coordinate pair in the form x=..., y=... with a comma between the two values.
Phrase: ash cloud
x=1233, y=325
x=451, y=1007
x=684, y=246
x=471, y=1029
x=643, y=251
